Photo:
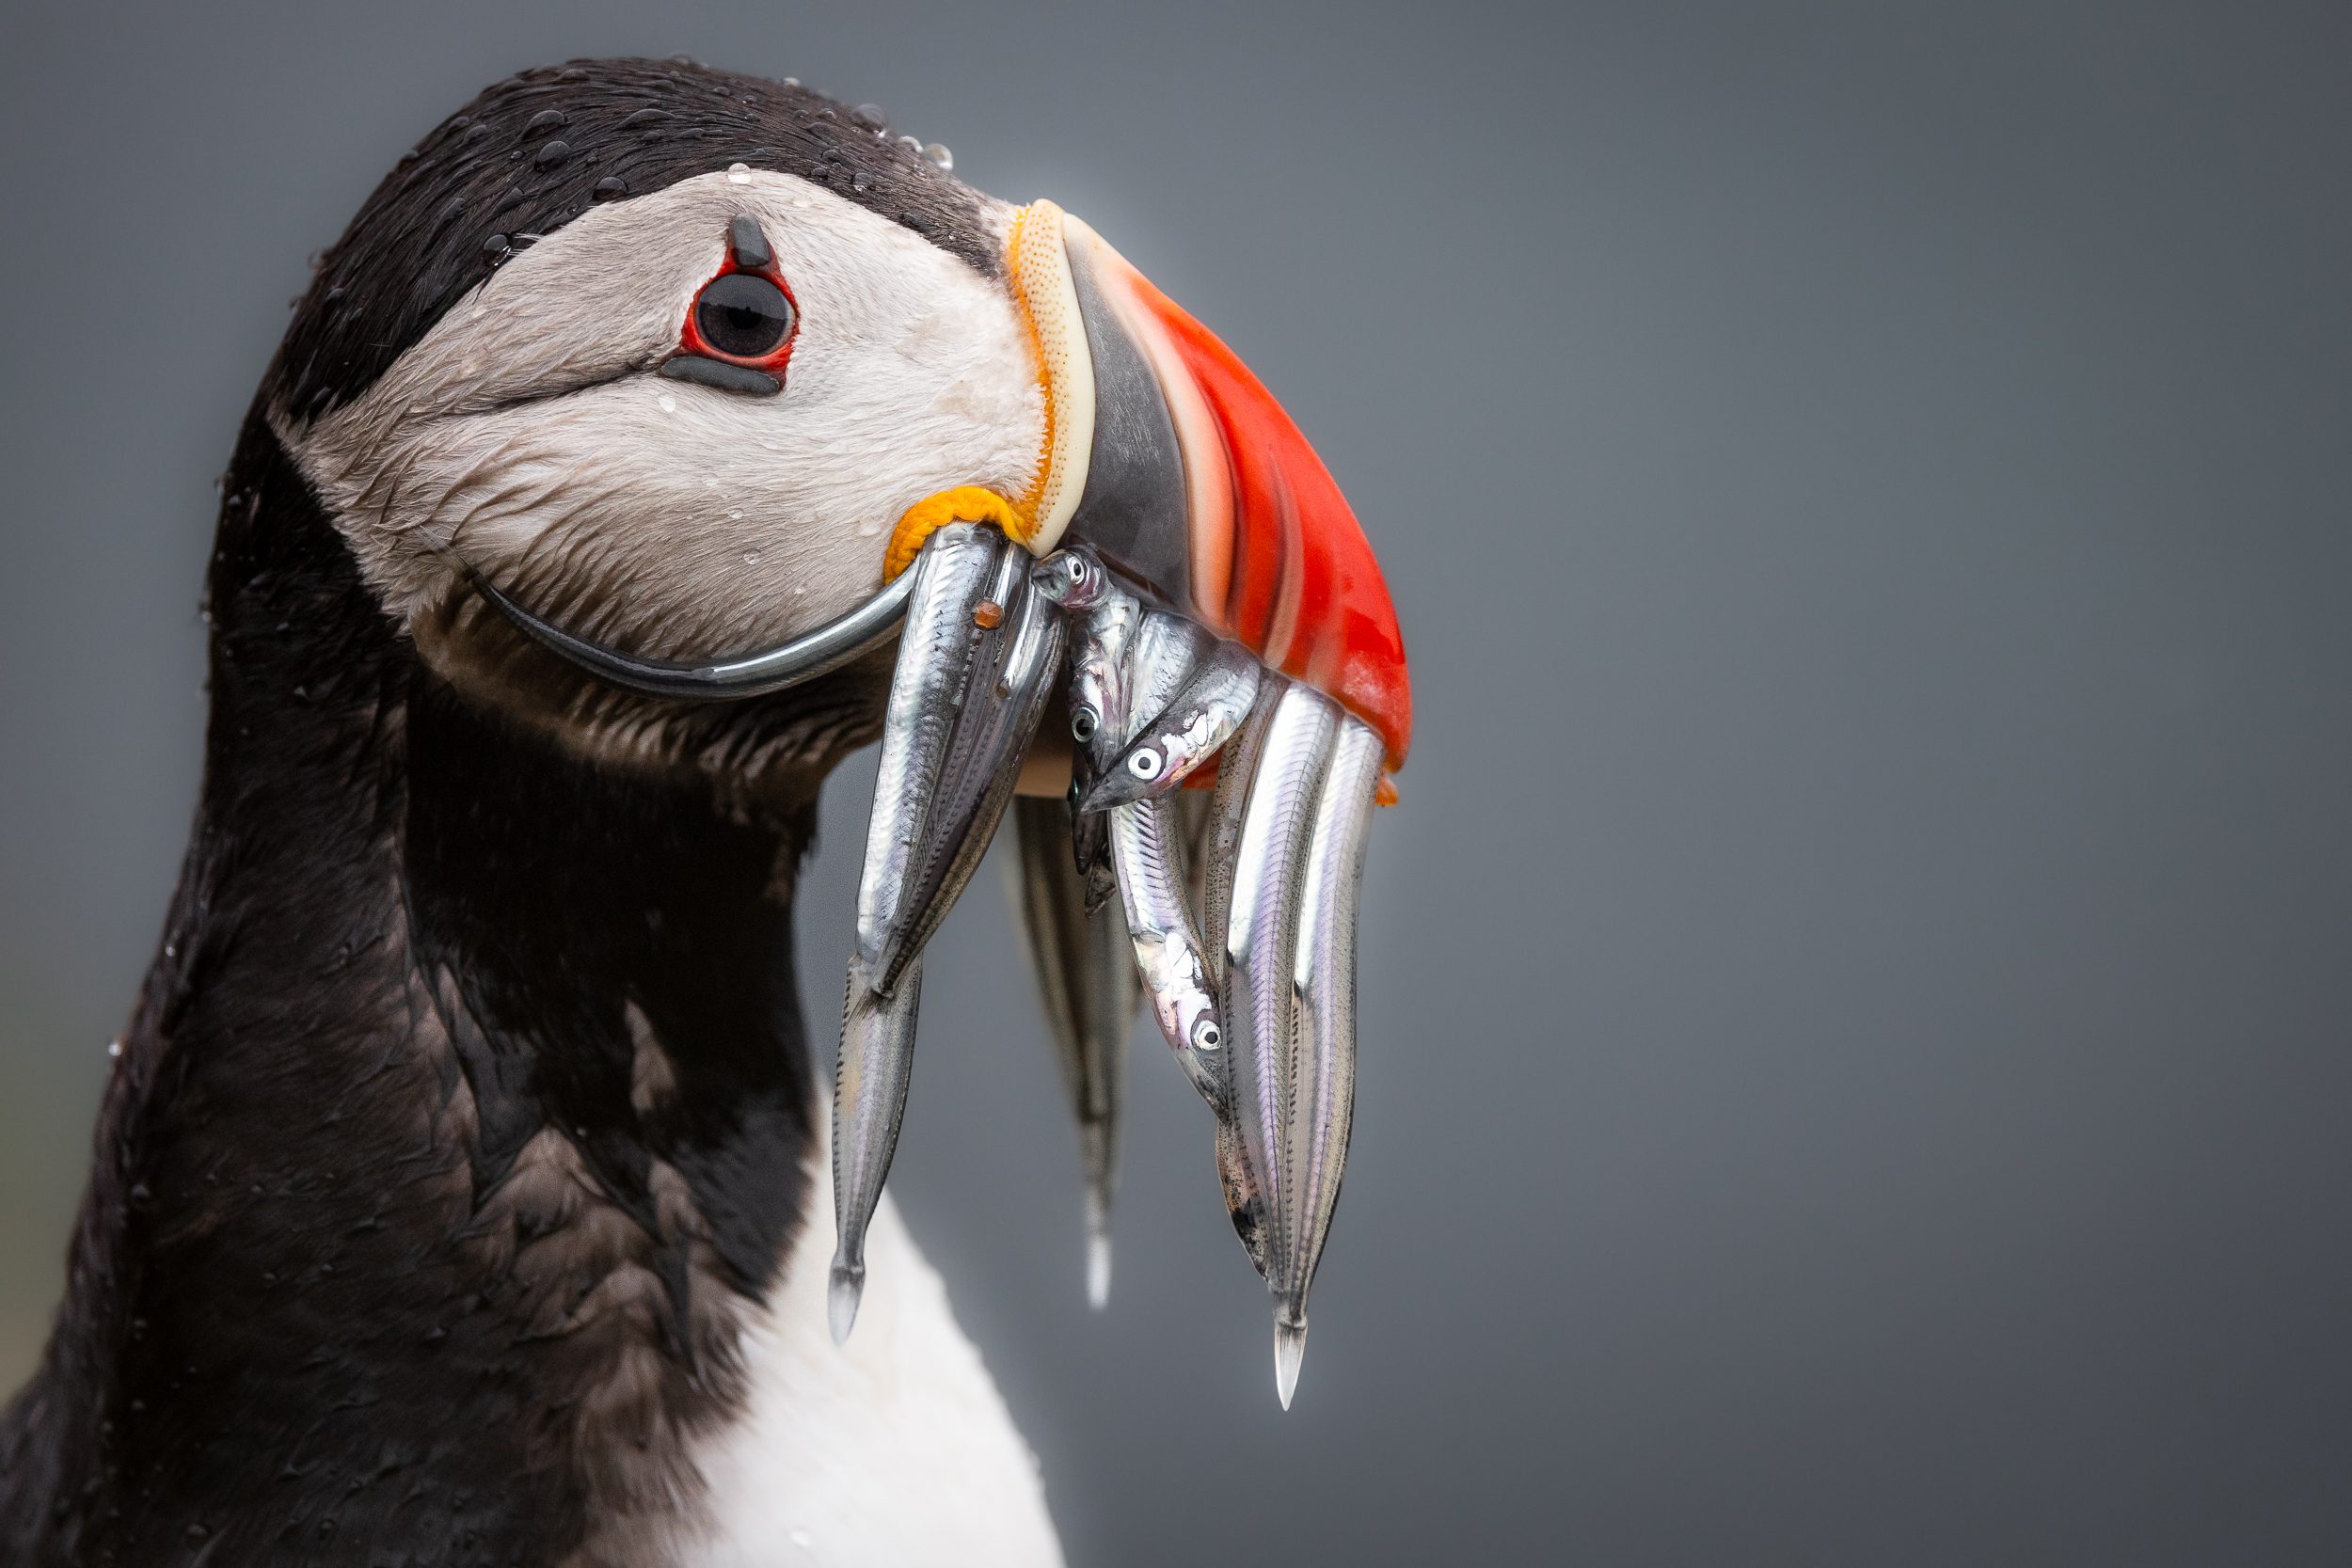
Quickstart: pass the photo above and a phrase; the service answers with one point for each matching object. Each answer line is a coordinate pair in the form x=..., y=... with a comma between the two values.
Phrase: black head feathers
x=532, y=152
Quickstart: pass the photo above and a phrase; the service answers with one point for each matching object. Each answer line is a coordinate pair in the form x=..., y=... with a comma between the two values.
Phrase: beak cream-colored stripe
x=1049, y=303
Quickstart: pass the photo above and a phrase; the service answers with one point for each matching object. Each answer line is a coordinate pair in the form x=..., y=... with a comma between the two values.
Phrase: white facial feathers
x=528, y=430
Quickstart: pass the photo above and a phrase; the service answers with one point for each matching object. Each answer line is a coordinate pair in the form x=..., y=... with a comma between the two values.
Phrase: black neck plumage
x=462, y=1117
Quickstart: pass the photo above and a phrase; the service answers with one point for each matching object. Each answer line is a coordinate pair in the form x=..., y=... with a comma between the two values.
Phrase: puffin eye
x=743, y=315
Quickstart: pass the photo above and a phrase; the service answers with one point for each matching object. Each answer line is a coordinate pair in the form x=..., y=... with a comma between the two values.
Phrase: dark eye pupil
x=743, y=315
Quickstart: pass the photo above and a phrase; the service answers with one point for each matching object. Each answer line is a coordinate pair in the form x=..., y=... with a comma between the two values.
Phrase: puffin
x=460, y=1187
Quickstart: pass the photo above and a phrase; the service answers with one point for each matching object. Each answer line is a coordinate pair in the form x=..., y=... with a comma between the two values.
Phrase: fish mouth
x=1186, y=573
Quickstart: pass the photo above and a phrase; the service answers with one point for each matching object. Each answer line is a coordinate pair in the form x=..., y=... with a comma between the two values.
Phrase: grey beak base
x=1135, y=512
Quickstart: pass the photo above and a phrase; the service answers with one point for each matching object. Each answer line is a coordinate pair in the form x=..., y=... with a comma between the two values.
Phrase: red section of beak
x=1278, y=556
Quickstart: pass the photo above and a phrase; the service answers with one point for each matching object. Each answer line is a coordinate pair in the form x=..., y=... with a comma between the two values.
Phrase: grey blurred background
x=1857, y=1040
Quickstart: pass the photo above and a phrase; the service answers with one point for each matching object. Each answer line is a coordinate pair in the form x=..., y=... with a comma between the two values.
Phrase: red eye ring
x=753, y=323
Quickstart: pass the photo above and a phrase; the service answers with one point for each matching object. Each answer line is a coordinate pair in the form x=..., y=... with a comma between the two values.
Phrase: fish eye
x=1083, y=721
x=1064, y=578
x=742, y=315
x=1144, y=764
x=1206, y=1036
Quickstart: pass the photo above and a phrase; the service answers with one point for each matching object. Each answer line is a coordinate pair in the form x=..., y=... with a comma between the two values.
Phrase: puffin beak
x=1170, y=461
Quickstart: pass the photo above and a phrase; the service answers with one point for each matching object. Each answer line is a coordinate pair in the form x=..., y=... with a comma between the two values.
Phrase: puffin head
x=677, y=368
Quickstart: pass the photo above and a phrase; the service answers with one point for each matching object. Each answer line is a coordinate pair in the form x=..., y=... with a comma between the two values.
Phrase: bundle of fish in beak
x=1209, y=854
x=1249, y=969
x=1184, y=577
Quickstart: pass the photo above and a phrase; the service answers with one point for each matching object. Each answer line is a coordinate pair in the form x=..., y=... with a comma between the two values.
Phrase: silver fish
x=1320, y=1104
x=1147, y=847
x=1184, y=734
x=1149, y=878
x=1146, y=657
x=1107, y=617
x=1089, y=988
x=927, y=689
x=944, y=767
x=1105, y=614
x=1219, y=837
x=869, y=1101
x=1261, y=997
x=1016, y=663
